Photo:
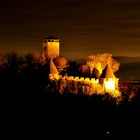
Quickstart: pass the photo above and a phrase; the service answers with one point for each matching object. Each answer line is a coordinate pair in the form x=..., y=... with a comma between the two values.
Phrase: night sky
x=84, y=27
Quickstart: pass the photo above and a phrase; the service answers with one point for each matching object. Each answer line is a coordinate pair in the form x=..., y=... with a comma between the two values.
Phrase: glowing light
x=76, y=78
x=82, y=78
x=107, y=132
x=87, y=79
x=110, y=85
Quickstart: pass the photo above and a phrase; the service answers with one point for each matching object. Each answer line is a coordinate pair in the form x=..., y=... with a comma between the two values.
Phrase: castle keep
x=50, y=47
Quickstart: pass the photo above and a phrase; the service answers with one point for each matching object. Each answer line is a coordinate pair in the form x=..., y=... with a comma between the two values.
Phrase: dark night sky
x=84, y=27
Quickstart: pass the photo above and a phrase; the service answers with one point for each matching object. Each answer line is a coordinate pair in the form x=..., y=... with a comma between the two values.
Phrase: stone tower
x=108, y=79
x=50, y=47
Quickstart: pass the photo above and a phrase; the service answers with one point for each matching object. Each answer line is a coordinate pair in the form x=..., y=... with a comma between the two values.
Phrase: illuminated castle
x=107, y=80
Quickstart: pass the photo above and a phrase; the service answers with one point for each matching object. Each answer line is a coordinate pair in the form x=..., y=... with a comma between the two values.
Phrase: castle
x=107, y=79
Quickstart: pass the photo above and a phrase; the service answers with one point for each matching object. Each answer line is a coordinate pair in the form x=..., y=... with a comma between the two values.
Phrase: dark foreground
x=69, y=117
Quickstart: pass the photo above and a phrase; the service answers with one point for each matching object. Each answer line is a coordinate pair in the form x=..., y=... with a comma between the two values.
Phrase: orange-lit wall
x=92, y=80
x=98, y=86
x=51, y=49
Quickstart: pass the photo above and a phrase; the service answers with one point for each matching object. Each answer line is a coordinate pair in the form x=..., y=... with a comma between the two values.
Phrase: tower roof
x=107, y=72
x=51, y=37
x=53, y=69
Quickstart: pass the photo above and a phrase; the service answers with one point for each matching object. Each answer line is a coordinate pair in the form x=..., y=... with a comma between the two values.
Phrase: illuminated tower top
x=51, y=47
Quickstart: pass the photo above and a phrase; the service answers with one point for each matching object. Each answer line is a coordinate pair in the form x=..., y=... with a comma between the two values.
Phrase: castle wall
x=86, y=86
x=52, y=49
x=76, y=78
x=109, y=84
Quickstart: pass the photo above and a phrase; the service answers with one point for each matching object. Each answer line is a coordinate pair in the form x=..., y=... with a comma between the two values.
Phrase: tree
x=12, y=62
x=99, y=62
x=29, y=59
x=84, y=69
x=2, y=61
x=114, y=65
x=61, y=63
x=95, y=73
x=36, y=57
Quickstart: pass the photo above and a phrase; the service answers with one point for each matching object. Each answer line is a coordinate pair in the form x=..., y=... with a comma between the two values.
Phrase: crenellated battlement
x=107, y=84
x=74, y=78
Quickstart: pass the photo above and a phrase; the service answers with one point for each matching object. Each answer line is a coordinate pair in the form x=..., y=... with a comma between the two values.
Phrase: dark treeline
x=22, y=75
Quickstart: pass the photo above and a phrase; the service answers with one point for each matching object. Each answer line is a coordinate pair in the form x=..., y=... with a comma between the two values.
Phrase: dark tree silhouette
x=95, y=73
